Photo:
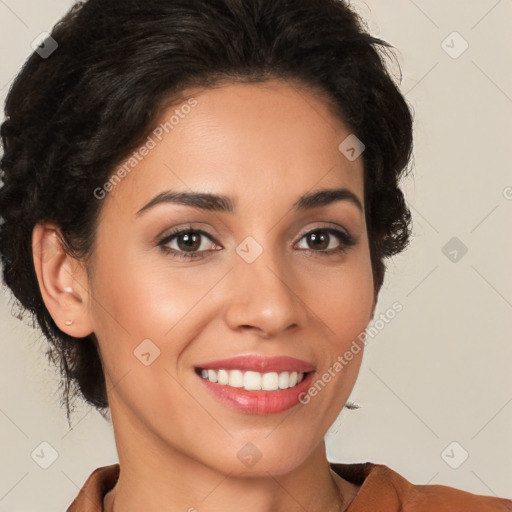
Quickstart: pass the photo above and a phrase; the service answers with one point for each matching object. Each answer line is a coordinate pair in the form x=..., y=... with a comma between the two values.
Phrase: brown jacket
x=382, y=490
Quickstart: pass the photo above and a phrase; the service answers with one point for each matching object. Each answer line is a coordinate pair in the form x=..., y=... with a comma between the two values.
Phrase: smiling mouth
x=252, y=381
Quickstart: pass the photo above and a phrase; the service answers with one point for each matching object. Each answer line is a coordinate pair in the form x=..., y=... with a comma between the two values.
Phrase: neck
x=155, y=475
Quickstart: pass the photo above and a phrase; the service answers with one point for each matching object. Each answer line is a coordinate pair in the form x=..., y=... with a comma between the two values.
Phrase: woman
x=198, y=200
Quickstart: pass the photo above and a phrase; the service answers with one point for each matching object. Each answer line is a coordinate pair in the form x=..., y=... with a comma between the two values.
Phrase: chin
x=259, y=457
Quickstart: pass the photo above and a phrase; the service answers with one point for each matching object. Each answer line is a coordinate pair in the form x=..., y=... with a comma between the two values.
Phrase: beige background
x=441, y=370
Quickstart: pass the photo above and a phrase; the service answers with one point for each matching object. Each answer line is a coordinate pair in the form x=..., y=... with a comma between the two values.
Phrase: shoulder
x=382, y=488
x=91, y=495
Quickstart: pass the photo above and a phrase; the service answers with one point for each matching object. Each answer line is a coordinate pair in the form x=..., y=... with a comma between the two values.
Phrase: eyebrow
x=221, y=203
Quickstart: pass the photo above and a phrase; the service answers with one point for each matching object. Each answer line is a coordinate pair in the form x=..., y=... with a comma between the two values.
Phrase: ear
x=62, y=281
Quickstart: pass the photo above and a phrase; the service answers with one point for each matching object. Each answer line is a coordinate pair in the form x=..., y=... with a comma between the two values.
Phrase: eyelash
x=346, y=242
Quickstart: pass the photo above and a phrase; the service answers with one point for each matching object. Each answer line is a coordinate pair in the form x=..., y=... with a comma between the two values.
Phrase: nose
x=262, y=297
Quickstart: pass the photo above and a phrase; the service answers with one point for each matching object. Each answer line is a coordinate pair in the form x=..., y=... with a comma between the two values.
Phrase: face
x=259, y=285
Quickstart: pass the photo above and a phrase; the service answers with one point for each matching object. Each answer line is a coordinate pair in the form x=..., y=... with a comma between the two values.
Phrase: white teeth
x=283, y=380
x=236, y=378
x=269, y=382
x=254, y=381
x=222, y=377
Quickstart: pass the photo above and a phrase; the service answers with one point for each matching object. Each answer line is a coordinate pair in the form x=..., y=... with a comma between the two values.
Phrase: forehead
x=257, y=142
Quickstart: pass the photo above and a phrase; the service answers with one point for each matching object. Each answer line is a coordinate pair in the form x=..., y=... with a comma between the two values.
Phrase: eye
x=190, y=243
x=323, y=241
x=187, y=242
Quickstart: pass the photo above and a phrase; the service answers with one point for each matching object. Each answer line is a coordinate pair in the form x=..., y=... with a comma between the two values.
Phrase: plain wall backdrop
x=435, y=386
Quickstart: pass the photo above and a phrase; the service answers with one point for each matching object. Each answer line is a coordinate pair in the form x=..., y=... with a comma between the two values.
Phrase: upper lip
x=260, y=364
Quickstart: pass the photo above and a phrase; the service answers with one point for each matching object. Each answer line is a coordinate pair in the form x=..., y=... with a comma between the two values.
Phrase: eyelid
x=174, y=233
x=328, y=225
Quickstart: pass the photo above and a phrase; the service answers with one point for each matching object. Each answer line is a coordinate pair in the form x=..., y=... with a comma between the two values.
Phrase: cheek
x=143, y=299
x=342, y=298
x=139, y=298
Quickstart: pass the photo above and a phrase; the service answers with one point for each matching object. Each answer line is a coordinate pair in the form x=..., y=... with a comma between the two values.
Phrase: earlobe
x=62, y=281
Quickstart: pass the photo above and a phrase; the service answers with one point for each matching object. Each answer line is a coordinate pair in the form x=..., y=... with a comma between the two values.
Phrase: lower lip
x=259, y=402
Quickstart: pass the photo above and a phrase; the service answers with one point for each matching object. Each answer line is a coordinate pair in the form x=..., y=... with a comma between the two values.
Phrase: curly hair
x=72, y=117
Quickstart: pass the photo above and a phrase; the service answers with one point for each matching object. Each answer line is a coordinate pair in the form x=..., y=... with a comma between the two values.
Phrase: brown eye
x=326, y=241
x=187, y=243
x=318, y=240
